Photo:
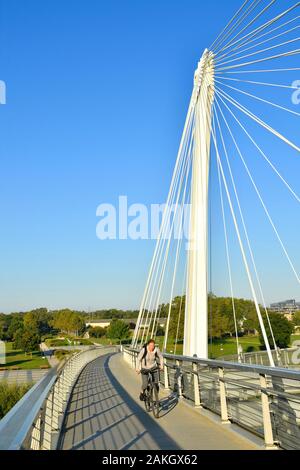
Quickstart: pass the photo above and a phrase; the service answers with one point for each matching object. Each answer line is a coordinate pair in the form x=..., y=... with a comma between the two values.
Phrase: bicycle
x=150, y=403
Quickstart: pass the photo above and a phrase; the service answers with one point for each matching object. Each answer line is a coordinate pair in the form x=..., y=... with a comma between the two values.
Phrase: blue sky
x=97, y=94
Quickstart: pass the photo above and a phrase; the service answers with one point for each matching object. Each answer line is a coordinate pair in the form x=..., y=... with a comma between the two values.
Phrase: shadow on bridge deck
x=105, y=414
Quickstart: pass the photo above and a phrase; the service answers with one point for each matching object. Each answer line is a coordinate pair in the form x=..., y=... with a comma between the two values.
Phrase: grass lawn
x=295, y=338
x=228, y=346
x=18, y=360
x=104, y=341
x=219, y=348
x=56, y=342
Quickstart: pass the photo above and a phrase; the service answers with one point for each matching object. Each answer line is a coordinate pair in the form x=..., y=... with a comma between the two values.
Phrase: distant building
x=287, y=307
x=105, y=323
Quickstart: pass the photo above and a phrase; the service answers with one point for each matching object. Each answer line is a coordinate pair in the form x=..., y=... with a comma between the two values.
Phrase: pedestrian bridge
x=104, y=413
x=92, y=403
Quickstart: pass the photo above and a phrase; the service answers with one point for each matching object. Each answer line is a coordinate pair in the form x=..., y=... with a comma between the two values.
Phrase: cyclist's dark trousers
x=155, y=378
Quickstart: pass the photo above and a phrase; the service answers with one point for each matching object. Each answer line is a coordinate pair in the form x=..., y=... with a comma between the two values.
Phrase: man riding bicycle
x=147, y=362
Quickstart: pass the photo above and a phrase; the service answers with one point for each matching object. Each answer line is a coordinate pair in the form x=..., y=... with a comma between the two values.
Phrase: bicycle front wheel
x=147, y=401
x=155, y=405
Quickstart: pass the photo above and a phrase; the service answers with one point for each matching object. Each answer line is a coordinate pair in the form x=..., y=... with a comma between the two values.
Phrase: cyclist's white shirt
x=150, y=359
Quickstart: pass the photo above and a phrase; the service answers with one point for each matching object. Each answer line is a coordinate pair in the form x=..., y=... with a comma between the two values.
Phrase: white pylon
x=196, y=310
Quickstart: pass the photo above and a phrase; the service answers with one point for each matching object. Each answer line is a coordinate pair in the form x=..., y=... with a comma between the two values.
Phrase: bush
x=54, y=342
x=282, y=330
x=97, y=332
x=83, y=342
x=61, y=354
x=10, y=395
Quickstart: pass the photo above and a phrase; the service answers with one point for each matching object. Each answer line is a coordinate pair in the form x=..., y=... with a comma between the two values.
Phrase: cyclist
x=147, y=359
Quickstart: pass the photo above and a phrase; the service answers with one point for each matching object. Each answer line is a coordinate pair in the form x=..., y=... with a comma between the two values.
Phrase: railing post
x=286, y=356
x=35, y=442
x=196, y=386
x=268, y=431
x=135, y=360
x=166, y=377
x=179, y=379
x=223, y=400
x=48, y=426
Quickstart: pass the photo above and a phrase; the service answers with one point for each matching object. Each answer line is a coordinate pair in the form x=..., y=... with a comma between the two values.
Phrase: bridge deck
x=104, y=413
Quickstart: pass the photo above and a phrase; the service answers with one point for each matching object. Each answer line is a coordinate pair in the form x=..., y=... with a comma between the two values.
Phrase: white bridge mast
x=196, y=310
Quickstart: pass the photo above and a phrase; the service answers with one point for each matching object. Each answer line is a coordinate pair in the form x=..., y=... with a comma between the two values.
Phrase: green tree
x=17, y=338
x=30, y=340
x=16, y=322
x=282, y=329
x=4, y=325
x=69, y=322
x=27, y=339
x=176, y=327
x=119, y=330
x=38, y=319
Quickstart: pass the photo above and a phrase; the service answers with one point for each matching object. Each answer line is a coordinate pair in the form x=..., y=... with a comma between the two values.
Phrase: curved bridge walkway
x=104, y=413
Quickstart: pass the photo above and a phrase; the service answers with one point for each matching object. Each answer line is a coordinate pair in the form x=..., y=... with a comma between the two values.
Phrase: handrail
x=213, y=363
x=16, y=424
x=264, y=400
x=40, y=411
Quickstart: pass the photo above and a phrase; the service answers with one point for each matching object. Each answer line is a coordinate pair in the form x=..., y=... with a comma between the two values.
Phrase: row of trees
x=26, y=330
x=69, y=322
x=221, y=320
x=111, y=314
x=65, y=320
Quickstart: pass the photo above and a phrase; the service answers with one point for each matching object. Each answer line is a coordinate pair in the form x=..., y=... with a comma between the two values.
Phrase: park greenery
x=26, y=330
x=282, y=330
x=61, y=354
x=10, y=394
x=221, y=325
x=18, y=359
x=119, y=330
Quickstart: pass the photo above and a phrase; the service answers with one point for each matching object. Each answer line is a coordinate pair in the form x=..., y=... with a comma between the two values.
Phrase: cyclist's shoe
x=142, y=397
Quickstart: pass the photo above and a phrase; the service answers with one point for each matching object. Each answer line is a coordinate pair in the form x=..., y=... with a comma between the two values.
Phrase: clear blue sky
x=97, y=93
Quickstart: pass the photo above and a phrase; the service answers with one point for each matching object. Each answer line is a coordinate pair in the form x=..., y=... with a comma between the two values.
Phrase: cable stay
x=180, y=280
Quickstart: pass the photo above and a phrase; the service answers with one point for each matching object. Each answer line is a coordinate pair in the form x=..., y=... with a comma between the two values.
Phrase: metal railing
x=262, y=400
x=35, y=422
x=261, y=358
